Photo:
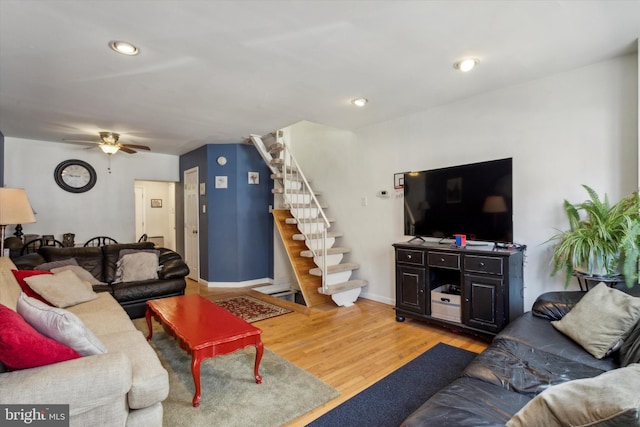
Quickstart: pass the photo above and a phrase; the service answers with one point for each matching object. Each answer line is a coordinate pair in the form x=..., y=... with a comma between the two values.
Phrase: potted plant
x=602, y=239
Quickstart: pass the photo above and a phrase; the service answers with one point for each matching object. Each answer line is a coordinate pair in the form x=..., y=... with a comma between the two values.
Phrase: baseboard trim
x=243, y=284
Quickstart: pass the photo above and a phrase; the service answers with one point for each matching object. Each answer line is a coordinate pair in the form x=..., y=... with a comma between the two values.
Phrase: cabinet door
x=483, y=305
x=410, y=289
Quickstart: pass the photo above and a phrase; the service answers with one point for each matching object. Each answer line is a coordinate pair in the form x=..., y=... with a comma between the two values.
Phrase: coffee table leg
x=148, y=317
x=259, y=351
x=196, y=360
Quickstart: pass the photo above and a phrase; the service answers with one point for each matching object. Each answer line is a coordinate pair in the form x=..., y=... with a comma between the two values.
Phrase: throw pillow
x=83, y=274
x=47, y=266
x=20, y=275
x=62, y=290
x=23, y=347
x=137, y=266
x=60, y=325
x=611, y=398
x=601, y=320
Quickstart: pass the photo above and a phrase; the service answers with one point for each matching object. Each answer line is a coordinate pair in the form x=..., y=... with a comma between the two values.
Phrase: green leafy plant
x=601, y=238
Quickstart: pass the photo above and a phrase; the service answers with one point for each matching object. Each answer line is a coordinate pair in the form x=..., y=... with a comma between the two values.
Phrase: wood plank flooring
x=349, y=348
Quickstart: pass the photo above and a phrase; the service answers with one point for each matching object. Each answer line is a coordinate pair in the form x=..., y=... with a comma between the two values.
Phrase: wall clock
x=222, y=160
x=75, y=176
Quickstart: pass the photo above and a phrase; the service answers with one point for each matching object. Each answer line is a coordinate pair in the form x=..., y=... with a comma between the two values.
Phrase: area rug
x=230, y=395
x=392, y=399
x=251, y=309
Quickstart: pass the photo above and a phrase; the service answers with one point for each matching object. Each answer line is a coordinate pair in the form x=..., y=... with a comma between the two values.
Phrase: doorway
x=155, y=212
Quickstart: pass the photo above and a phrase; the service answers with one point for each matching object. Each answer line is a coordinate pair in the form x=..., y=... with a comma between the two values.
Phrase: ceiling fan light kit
x=109, y=148
x=109, y=144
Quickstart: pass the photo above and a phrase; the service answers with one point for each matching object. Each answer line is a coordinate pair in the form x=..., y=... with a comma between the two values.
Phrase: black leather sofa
x=101, y=262
x=527, y=357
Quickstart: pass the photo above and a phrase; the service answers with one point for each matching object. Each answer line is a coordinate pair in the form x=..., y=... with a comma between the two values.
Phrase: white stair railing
x=300, y=198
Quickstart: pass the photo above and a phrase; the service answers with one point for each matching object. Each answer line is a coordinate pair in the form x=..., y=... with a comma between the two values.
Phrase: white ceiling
x=216, y=71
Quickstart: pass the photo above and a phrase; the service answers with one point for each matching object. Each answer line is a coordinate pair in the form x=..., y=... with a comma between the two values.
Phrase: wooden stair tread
x=344, y=286
x=330, y=251
x=302, y=206
x=281, y=191
x=307, y=220
x=338, y=268
x=312, y=236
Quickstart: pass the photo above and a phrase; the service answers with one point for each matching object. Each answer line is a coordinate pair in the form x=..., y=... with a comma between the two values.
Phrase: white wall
x=579, y=127
x=107, y=209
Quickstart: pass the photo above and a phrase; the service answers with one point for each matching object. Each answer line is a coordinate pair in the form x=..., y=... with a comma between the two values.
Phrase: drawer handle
x=441, y=259
x=408, y=256
x=482, y=264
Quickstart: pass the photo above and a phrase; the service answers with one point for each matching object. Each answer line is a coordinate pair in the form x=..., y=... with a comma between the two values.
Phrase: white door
x=191, y=224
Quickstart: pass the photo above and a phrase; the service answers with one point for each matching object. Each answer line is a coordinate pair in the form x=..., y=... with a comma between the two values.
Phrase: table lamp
x=14, y=209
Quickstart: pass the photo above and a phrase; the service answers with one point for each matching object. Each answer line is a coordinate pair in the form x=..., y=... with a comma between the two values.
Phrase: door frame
x=194, y=275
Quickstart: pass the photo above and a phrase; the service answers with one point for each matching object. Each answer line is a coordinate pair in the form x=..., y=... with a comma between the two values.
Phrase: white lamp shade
x=15, y=207
x=109, y=149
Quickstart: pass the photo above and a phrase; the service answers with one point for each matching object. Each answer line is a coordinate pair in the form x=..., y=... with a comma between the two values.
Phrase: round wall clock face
x=75, y=176
x=222, y=160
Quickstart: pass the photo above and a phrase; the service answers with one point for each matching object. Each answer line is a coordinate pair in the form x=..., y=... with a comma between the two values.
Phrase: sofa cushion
x=48, y=266
x=554, y=305
x=150, y=381
x=137, y=266
x=630, y=350
x=611, y=399
x=78, y=271
x=89, y=258
x=539, y=334
x=20, y=275
x=524, y=369
x=9, y=289
x=22, y=347
x=60, y=325
x=601, y=320
x=467, y=402
x=63, y=289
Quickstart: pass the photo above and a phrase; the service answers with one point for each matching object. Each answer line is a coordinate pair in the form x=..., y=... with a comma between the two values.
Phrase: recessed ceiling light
x=466, y=64
x=124, y=48
x=359, y=102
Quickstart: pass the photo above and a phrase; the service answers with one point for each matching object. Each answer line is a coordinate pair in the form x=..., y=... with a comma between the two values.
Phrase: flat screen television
x=473, y=199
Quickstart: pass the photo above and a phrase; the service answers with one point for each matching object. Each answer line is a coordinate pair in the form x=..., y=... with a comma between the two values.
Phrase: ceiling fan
x=109, y=144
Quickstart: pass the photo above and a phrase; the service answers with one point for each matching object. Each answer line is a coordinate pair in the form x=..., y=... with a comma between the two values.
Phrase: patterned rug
x=251, y=309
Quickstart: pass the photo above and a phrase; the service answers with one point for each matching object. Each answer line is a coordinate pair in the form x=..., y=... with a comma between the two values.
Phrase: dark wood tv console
x=490, y=284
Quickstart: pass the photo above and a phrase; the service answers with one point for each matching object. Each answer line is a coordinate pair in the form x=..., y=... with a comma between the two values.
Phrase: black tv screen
x=473, y=199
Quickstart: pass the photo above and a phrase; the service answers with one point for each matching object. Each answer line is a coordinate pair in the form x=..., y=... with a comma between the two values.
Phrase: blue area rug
x=392, y=399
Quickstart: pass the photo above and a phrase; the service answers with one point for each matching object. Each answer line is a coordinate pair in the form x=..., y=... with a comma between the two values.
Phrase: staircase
x=304, y=228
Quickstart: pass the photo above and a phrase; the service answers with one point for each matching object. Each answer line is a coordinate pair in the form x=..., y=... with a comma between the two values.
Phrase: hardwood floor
x=349, y=348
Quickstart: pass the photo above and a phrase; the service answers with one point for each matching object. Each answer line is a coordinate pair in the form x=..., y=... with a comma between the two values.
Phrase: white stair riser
x=311, y=227
x=303, y=199
x=305, y=212
x=346, y=298
x=335, y=278
x=292, y=185
x=331, y=260
x=316, y=244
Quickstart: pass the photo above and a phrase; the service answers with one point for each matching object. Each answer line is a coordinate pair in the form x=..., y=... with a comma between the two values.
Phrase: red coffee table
x=203, y=330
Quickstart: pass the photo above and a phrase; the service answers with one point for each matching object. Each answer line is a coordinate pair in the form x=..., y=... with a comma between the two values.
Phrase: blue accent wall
x=236, y=232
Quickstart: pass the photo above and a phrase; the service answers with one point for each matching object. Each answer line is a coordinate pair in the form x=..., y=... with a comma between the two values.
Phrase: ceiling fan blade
x=139, y=147
x=127, y=150
x=80, y=141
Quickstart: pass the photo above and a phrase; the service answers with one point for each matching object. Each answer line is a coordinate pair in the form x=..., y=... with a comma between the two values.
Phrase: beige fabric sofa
x=124, y=387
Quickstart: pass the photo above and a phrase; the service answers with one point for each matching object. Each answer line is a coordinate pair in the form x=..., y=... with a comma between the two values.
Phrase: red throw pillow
x=20, y=276
x=23, y=347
